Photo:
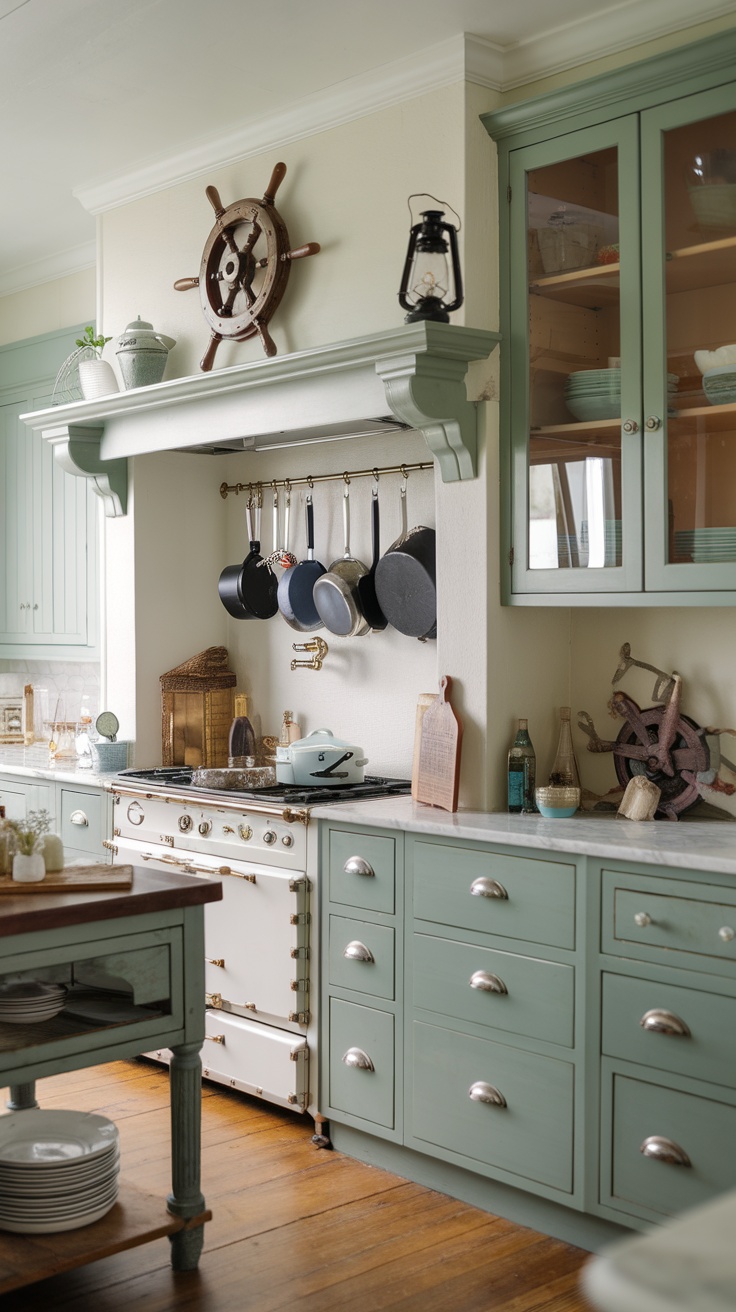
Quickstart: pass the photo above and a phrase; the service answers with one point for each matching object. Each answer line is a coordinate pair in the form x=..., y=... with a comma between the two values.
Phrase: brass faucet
x=320, y=649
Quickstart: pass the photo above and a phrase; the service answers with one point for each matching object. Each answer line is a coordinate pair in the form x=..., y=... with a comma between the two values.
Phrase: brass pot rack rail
x=310, y=479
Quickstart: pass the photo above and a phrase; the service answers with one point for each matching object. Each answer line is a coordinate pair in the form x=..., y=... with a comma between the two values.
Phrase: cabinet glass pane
x=700, y=273
x=574, y=372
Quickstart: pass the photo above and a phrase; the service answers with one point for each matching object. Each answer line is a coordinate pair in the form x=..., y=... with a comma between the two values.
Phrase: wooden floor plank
x=295, y=1227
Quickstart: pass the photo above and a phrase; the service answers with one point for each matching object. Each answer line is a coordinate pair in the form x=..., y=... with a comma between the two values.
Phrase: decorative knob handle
x=357, y=951
x=359, y=1059
x=79, y=818
x=487, y=983
x=653, y=423
x=215, y=1038
x=484, y=887
x=630, y=426
x=642, y=919
x=664, y=1150
x=355, y=865
x=204, y=827
x=659, y=1021
x=488, y=1093
x=727, y=934
x=215, y=961
x=269, y=837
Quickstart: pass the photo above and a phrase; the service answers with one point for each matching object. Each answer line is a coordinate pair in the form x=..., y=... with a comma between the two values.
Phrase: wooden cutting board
x=438, y=775
x=92, y=878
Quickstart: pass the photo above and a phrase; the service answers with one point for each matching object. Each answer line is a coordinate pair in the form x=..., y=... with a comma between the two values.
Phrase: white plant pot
x=28, y=869
x=97, y=378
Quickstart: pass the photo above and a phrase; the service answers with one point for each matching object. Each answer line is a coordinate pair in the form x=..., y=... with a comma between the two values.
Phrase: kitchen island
x=537, y=1016
x=150, y=939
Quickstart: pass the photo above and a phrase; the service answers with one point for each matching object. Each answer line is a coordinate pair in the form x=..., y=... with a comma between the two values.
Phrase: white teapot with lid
x=142, y=354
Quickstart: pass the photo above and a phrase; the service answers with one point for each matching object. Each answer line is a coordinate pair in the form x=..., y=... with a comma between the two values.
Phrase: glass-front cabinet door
x=575, y=431
x=689, y=317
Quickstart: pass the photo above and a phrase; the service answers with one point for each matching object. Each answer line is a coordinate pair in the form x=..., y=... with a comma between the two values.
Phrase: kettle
x=142, y=354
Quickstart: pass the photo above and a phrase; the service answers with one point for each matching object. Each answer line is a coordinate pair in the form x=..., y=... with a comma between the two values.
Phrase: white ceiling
x=111, y=98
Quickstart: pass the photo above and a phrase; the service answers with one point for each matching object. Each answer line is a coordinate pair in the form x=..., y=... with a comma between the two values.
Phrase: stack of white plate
x=706, y=545
x=58, y=1170
x=28, y=1001
x=594, y=394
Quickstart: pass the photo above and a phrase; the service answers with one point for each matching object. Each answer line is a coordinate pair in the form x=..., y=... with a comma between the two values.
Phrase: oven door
x=256, y=938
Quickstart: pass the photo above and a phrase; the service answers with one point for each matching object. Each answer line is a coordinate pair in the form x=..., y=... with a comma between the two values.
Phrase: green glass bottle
x=522, y=770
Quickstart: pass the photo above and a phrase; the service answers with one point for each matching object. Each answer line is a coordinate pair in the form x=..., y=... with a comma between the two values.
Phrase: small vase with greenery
x=96, y=376
x=27, y=839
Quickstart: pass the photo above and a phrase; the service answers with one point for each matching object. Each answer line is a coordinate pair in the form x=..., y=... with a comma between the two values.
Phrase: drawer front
x=694, y=922
x=520, y=897
x=501, y=989
x=686, y=1031
x=362, y=1085
x=530, y=1136
x=704, y=1129
x=20, y=798
x=362, y=956
x=82, y=820
x=362, y=870
x=234, y=1048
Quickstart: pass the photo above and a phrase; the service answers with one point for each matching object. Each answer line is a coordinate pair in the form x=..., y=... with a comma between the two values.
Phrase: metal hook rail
x=311, y=479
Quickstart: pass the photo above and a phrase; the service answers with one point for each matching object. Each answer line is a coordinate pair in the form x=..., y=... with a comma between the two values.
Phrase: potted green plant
x=27, y=841
x=96, y=376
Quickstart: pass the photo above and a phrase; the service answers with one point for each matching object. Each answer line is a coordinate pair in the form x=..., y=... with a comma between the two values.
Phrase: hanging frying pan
x=229, y=582
x=282, y=593
x=257, y=585
x=302, y=578
x=336, y=592
x=367, y=585
x=406, y=580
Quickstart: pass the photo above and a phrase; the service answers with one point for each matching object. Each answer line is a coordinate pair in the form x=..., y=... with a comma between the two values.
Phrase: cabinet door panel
x=362, y=1088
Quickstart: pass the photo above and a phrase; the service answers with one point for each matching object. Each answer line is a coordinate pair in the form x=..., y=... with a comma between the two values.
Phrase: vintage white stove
x=261, y=941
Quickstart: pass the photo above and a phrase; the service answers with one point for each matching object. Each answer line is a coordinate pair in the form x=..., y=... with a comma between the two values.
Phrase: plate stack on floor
x=58, y=1170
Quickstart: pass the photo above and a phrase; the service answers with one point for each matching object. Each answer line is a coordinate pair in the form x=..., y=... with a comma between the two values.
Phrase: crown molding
x=462, y=58
x=59, y=265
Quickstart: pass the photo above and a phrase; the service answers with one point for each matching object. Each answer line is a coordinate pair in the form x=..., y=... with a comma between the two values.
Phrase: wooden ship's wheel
x=245, y=267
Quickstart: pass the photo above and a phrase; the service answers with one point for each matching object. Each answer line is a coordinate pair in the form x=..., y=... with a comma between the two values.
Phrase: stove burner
x=180, y=777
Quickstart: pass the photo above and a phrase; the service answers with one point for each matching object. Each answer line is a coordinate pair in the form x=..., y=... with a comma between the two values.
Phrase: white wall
x=49, y=306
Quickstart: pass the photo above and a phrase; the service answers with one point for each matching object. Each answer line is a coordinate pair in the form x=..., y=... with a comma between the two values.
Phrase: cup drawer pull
x=488, y=1093
x=485, y=887
x=664, y=1150
x=357, y=951
x=659, y=1021
x=79, y=818
x=487, y=983
x=727, y=934
x=356, y=865
x=357, y=1058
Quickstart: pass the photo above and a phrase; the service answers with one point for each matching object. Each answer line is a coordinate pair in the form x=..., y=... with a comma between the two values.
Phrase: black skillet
x=367, y=585
x=229, y=582
x=258, y=585
x=302, y=579
x=406, y=580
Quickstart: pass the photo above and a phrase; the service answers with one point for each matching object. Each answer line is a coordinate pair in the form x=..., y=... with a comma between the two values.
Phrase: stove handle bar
x=189, y=867
x=189, y=797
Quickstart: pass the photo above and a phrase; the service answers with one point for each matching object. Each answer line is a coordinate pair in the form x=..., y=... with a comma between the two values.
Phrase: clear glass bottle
x=564, y=769
x=522, y=769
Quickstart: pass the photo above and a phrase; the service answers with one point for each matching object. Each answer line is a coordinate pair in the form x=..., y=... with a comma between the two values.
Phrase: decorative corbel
x=77, y=450
x=426, y=389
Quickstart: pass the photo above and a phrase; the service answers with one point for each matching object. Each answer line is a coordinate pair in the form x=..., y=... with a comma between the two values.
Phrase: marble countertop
x=684, y=844
x=33, y=762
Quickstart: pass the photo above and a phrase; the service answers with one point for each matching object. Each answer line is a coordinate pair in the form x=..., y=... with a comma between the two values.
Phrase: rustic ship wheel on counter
x=245, y=268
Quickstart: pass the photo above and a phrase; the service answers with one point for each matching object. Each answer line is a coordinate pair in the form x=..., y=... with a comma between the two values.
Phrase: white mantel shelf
x=412, y=376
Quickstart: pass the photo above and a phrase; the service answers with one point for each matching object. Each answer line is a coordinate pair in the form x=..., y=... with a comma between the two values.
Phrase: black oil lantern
x=431, y=284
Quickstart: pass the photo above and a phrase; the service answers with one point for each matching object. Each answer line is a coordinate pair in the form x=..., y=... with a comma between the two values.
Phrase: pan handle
x=310, y=527
x=375, y=521
x=249, y=522
x=346, y=521
x=404, y=521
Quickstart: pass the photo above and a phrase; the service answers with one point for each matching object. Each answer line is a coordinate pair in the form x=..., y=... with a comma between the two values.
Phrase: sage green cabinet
x=80, y=814
x=618, y=280
x=49, y=519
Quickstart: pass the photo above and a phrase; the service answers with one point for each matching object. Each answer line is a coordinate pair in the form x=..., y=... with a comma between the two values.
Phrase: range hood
x=410, y=377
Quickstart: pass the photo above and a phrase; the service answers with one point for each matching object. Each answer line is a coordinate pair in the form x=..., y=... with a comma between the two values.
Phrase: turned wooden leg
x=186, y=1199
x=22, y=1097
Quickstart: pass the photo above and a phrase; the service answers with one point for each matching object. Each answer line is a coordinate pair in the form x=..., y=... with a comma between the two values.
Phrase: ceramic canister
x=142, y=354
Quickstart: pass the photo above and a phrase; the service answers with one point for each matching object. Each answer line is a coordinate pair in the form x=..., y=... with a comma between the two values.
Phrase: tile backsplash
x=59, y=686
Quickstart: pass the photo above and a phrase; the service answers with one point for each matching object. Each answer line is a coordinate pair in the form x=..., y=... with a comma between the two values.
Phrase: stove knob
x=288, y=840
x=245, y=832
x=204, y=827
x=269, y=837
x=185, y=823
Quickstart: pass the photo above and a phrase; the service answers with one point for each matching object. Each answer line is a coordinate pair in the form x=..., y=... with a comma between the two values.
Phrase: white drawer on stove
x=256, y=1059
